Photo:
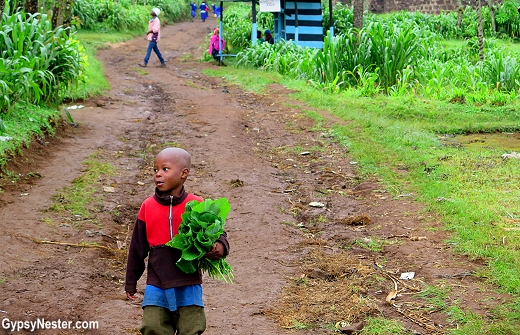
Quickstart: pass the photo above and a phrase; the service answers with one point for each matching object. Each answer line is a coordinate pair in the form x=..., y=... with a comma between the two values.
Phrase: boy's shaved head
x=177, y=155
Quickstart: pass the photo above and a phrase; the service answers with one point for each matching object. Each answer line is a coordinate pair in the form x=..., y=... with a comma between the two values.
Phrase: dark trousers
x=215, y=55
x=188, y=320
x=153, y=46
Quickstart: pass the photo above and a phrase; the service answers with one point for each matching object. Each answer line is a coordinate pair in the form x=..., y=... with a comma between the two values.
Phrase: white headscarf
x=157, y=11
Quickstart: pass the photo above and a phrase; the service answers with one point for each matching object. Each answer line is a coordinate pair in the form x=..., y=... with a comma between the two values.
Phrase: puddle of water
x=505, y=141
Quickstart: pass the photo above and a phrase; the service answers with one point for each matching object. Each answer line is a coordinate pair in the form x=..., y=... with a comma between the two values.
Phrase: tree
x=2, y=6
x=62, y=13
x=460, y=11
x=358, y=13
x=30, y=6
x=480, y=32
x=491, y=7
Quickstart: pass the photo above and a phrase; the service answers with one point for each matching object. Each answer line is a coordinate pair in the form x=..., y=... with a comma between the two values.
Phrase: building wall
x=310, y=23
x=423, y=6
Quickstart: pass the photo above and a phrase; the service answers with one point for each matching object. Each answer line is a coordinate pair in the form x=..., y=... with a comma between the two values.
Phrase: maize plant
x=37, y=63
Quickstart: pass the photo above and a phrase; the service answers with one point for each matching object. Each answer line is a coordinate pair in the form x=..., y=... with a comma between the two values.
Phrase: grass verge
x=25, y=122
x=79, y=198
x=401, y=141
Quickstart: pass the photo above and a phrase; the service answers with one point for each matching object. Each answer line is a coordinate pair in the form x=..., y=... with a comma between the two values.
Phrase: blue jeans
x=153, y=46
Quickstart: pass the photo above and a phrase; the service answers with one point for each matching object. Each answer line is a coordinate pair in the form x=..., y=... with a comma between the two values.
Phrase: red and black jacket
x=157, y=222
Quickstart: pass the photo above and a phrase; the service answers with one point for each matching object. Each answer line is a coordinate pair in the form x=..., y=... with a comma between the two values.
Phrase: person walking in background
x=173, y=301
x=215, y=42
x=153, y=36
x=268, y=37
x=214, y=9
x=203, y=11
x=193, y=10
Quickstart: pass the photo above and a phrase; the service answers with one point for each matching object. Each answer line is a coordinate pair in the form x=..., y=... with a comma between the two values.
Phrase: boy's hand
x=216, y=251
x=131, y=295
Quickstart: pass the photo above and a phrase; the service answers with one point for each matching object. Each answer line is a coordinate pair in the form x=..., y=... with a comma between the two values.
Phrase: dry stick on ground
x=420, y=320
x=76, y=245
x=394, y=279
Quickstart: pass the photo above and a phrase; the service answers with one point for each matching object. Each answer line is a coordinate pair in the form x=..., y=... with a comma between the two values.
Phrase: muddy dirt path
x=256, y=150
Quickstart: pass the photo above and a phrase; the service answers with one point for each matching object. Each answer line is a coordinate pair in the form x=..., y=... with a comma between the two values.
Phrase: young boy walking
x=153, y=36
x=172, y=302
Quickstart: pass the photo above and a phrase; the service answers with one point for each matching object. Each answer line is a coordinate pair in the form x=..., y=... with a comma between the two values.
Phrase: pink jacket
x=155, y=26
x=213, y=43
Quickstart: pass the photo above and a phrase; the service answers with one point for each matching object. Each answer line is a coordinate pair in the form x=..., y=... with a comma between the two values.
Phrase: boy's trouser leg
x=190, y=320
x=157, y=321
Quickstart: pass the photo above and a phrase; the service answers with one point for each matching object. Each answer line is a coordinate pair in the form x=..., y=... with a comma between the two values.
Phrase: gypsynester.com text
x=42, y=324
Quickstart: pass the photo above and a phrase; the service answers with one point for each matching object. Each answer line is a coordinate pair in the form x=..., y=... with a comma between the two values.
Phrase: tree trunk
x=67, y=15
x=2, y=7
x=58, y=13
x=30, y=6
x=480, y=32
x=491, y=7
x=460, y=11
x=358, y=13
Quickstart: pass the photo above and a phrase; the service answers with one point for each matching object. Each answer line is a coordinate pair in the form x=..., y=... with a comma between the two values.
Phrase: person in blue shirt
x=193, y=11
x=204, y=11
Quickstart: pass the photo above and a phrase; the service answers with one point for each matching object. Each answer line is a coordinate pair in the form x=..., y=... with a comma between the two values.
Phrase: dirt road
x=256, y=150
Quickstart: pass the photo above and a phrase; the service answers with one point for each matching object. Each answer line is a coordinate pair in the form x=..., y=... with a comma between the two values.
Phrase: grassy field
x=410, y=145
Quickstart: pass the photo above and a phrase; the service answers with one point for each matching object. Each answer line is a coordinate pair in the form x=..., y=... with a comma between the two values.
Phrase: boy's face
x=170, y=174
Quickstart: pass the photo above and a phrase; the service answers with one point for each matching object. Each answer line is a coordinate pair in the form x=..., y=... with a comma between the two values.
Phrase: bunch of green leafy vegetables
x=201, y=226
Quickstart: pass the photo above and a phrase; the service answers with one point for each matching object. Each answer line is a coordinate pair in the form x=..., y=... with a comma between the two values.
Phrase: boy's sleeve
x=137, y=253
x=223, y=239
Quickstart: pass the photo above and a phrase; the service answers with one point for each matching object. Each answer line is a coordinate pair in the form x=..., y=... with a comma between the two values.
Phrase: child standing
x=153, y=36
x=172, y=302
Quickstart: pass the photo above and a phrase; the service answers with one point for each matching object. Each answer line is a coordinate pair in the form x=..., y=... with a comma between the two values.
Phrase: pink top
x=213, y=43
x=155, y=26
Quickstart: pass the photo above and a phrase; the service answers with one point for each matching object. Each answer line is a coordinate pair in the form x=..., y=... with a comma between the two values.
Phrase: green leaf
x=180, y=241
x=201, y=226
x=205, y=240
x=187, y=266
x=193, y=252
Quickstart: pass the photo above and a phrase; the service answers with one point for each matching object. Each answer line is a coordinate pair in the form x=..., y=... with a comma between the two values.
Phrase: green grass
x=247, y=78
x=96, y=82
x=22, y=125
x=381, y=326
x=398, y=139
x=79, y=198
x=26, y=121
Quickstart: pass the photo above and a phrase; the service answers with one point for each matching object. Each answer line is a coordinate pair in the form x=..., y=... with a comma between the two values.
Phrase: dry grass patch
x=330, y=287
